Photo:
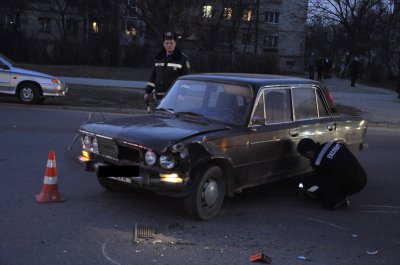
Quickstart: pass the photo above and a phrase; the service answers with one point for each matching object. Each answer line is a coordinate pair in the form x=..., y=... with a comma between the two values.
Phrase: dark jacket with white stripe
x=337, y=161
x=166, y=70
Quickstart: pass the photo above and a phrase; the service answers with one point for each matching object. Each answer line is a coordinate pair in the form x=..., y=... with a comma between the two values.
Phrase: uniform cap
x=169, y=35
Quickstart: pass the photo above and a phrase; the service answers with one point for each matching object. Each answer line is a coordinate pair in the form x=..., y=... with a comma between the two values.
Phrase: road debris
x=372, y=252
x=143, y=232
x=303, y=258
x=260, y=257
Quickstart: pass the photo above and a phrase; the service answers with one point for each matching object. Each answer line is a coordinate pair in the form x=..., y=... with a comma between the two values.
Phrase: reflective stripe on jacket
x=167, y=70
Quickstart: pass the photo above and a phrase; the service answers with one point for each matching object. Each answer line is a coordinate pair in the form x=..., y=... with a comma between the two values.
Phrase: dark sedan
x=216, y=134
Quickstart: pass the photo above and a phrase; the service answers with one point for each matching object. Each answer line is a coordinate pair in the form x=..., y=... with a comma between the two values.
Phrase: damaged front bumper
x=174, y=184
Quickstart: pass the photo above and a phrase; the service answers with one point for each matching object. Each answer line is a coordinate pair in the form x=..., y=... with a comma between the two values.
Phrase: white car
x=29, y=86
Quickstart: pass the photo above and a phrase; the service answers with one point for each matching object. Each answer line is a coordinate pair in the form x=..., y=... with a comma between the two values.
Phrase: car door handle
x=331, y=126
x=294, y=133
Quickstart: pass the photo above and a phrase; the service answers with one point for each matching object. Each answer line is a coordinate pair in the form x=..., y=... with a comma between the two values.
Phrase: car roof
x=255, y=80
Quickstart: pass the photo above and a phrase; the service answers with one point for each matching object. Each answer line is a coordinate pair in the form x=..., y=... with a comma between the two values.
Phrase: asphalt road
x=96, y=227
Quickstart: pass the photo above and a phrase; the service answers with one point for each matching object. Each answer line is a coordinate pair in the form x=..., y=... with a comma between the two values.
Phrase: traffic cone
x=50, y=191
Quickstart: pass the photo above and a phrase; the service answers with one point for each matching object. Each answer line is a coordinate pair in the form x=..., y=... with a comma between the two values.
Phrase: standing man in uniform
x=169, y=64
x=339, y=173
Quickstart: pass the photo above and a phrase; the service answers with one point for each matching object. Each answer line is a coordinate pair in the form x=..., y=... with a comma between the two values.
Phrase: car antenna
x=90, y=116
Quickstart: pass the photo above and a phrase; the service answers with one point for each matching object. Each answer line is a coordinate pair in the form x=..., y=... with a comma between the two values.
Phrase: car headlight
x=87, y=144
x=167, y=162
x=95, y=145
x=150, y=158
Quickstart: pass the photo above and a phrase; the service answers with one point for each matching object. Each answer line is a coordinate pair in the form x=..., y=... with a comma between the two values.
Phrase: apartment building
x=274, y=27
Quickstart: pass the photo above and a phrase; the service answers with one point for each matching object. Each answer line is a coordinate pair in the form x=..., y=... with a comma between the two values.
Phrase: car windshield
x=8, y=60
x=223, y=102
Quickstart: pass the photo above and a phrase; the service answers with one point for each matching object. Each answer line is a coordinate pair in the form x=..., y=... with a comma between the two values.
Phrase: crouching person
x=339, y=173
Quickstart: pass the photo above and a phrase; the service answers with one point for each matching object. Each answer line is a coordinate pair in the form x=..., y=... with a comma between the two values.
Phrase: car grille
x=109, y=148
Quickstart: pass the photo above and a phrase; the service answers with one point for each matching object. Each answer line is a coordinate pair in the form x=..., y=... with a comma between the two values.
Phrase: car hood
x=29, y=72
x=156, y=132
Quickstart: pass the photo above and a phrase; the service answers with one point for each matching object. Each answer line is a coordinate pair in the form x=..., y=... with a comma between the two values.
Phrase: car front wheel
x=205, y=200
x=28, y=94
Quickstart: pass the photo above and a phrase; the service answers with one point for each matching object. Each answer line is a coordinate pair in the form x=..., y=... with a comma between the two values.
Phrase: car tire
x=112, y=185
x=28, y=93
x=206, y=199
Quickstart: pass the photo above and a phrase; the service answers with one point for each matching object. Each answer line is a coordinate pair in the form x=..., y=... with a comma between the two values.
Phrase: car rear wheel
x=112, y=184
x=28, y=93
x=205, y=200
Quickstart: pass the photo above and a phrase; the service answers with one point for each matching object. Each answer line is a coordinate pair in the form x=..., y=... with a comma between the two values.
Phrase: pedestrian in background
x=354, y=68
x=169, y=64
x=398, y=77
x=339, y=173
x=311, y=66
x=320, y=68
x=327, y=67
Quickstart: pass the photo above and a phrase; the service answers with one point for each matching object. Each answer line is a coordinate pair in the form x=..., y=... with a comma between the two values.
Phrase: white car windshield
x=8, y=60
x=223, y=102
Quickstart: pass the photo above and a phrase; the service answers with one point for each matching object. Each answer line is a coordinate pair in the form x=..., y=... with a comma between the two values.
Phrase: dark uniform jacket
x=338, y=162
x=166, y=70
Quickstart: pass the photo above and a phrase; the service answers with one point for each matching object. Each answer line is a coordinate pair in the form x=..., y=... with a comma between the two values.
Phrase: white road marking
x=103, y=250
x=380, y=206
x=392, y=212
x=327, y=223
x=390, y=209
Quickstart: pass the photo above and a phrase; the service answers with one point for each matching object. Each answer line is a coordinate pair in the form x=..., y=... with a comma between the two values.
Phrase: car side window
x=259, y=111
x=322, y=110
x=277, y=105
x=305, y=103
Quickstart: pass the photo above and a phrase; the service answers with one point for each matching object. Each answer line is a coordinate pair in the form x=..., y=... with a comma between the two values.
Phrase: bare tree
x=15, y=38
x=360, y=27
x=355, y=19
x=163, y=15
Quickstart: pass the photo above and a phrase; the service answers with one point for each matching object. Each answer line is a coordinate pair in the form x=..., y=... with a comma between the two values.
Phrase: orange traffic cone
x=50, y=191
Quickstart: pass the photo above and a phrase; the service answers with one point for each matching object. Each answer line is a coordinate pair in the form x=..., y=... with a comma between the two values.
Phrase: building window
x=44, y=24
x=228, y=13
x=247, y=14
x=72, y=26
x=207, y=11
x=246, y=39
x=271, y=17
x=270, y=42
x=95, y=27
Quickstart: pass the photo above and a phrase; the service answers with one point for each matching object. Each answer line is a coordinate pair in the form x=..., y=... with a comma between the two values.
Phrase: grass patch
x=93, y=97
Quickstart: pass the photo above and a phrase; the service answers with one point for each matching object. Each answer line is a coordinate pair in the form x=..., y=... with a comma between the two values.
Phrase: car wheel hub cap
x=27, y=93
x=210, y=192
